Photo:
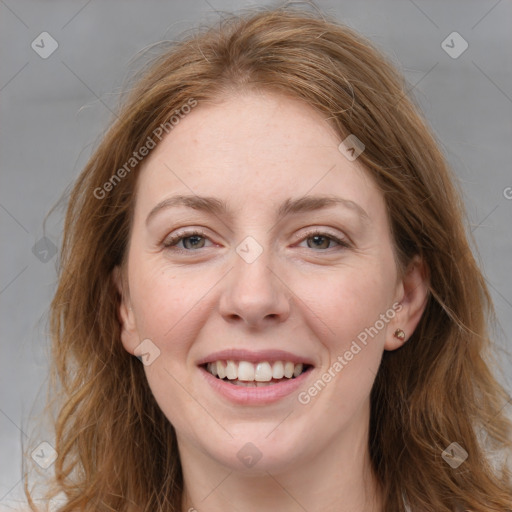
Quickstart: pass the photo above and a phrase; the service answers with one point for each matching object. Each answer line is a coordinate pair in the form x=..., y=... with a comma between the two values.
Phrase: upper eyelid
x=321, y=232
x=185, y=233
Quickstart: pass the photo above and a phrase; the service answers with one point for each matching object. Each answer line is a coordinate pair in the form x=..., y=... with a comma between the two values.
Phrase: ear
x=129, y=334
x=412, y=295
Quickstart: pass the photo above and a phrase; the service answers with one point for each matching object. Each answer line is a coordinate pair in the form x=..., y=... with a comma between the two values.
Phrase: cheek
x=352, y=310
x=166, y=306
x=350, y=301
x=363, y=298
x=171, y=315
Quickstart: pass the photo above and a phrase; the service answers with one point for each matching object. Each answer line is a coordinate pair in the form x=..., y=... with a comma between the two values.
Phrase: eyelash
x=173, y=240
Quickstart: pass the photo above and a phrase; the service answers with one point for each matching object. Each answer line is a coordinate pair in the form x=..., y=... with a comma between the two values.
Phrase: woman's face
x=277, y=277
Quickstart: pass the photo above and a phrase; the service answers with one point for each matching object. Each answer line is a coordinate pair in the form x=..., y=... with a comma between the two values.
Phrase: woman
x=267, y=300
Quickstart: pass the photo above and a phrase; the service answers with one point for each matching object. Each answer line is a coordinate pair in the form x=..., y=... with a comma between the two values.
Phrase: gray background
x=54, y=110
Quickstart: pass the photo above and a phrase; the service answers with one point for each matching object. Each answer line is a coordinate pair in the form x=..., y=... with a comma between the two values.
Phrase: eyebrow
x=288, y=207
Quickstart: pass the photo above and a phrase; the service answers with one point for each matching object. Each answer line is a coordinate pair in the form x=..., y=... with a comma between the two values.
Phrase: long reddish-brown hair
x=116, y=449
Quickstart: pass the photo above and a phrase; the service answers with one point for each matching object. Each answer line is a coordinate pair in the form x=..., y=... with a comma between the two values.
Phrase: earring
x=399, y=334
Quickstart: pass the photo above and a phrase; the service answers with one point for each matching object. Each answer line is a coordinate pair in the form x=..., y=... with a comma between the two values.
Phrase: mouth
x=255, y=374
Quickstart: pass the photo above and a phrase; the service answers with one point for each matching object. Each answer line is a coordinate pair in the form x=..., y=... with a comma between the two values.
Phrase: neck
x=339, y=478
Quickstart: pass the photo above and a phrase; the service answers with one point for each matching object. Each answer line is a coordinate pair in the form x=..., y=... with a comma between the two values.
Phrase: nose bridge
x=254, y=292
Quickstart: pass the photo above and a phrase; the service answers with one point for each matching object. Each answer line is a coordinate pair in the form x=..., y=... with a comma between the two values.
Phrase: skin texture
x=254, y=151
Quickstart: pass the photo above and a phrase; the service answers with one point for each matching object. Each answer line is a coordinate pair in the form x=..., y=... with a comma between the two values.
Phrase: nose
x=255, y=294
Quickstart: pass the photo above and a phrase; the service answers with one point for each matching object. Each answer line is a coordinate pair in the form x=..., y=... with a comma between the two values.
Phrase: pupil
x=317, y=237
x=194, y=244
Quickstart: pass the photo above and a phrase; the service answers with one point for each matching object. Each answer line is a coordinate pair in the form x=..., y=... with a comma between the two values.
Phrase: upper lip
x=272, y=355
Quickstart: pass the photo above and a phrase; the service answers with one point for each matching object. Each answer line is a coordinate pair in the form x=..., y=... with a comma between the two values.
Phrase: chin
x=253, y=451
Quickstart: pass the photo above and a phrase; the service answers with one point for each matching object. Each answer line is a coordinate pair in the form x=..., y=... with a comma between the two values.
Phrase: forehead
x=251, y=150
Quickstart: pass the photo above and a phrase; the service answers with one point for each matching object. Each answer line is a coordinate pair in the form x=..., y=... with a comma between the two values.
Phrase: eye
x=195, y=239
x=191, y=240
x=322, y=240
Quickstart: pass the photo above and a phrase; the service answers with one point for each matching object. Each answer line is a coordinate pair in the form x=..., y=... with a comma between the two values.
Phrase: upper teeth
x=259, y=372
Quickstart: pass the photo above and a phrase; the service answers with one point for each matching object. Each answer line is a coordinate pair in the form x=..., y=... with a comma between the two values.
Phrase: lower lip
x=243, y=395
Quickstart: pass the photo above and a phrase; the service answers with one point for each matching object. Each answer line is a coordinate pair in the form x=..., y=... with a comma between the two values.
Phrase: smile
x=259, y=374
x=255, y=378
